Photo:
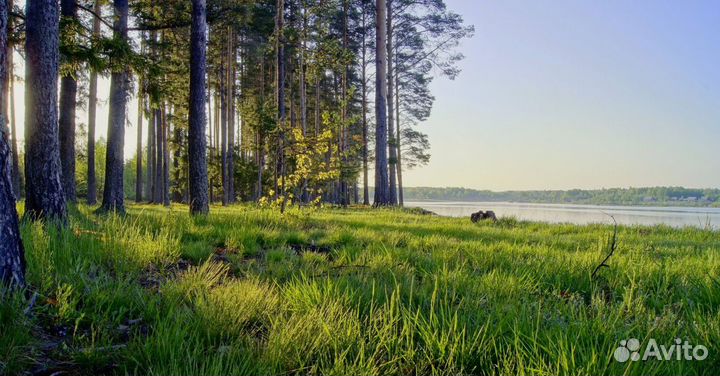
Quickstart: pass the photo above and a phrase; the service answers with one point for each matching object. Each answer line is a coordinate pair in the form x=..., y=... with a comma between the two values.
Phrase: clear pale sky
x=559, y=94
x=580, y=94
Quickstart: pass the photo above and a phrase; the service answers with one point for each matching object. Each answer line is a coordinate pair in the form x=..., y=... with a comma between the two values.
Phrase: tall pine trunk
x=44, y=194
x=223, y=131
x=216, y=113
x=12, y=255
x=366, y=190
x=139, y=150
x=150, y=156
x=113, y=192
x=180, y=191
x=392, y=142
x=259, y=138
x=317, y=107
x=213, y=131
x=382, y=184
x=68, y=104
x=158, y=157
x=261, y=165
x=197, y=147
x=401, y=199
x=242, y=131
x=280, y=82
x=344, y=192
x=92, y=114
x=15, y=175
x=165, y=158
x=232, y=57
x=304, y=197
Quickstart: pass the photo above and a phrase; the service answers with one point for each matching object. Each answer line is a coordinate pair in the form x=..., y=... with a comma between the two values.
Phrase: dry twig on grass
x=613, y=247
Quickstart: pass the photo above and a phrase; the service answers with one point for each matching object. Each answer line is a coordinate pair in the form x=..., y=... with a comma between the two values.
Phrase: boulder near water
x=482, y=216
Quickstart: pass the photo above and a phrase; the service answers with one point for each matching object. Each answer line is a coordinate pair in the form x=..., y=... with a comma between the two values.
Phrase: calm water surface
x=580, y=214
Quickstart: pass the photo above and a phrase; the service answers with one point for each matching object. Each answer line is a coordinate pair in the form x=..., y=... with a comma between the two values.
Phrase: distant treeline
x=612, y=196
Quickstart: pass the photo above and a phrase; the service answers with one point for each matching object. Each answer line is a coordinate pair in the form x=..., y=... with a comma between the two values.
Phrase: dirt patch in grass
x=300, y=248
x=153, y=276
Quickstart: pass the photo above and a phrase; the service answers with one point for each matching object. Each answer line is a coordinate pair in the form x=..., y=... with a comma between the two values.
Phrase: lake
x=580, y=214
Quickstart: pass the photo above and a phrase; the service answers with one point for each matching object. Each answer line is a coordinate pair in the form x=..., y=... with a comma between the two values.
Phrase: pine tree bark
x=382, y=184
x=401, y=200
x=178, y=189
x=68, y=105
x=223, y=131
x=317, y=107
x=243, y=132
x=15, y=176
x=259, y=139
x=179, y=193
x=208, y=98
x=12, y=255
x=214, y=114
x=158, y=158
x=197, y=147
x=217, y=120
x=113, y=192
x=45, y=198
x=232, y=57
x=304, y=197
x=261, y=165
x=280, y=82
x=6, y=64
x=165, y=158
x=366, y=190
x=92, y=114
x=392, y=142
x=138, y=150
x=150, y=173
x=344, y=186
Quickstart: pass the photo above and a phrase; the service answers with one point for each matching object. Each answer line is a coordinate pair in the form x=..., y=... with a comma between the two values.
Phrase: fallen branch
x=613, y=247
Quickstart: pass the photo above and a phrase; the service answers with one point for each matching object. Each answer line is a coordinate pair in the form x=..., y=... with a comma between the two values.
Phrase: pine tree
x=382, y=182
x=44, y=193
x=113, y=193
x=12, y=256
x=196, y=141
x=68, y=98
x=92, y=115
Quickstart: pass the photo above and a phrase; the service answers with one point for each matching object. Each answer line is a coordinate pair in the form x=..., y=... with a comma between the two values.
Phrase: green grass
x=160, y=293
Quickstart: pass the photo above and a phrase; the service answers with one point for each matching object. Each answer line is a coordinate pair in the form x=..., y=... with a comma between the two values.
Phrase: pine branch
x=95, y=15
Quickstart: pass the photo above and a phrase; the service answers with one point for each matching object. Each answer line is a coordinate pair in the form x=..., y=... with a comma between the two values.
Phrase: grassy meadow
x=248, y=291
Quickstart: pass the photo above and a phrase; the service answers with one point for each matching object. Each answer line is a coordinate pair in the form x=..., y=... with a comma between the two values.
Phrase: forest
x=259, y=227
x=265, y=101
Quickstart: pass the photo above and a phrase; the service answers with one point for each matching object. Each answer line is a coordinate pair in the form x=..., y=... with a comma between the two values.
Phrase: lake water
x=580, y=214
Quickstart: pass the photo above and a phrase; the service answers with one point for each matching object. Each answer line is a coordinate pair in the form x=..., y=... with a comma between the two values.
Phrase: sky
x=563, y=94
x=559, y=94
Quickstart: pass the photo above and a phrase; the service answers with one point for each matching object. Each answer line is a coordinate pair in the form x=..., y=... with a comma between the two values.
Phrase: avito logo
x=630, y=350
